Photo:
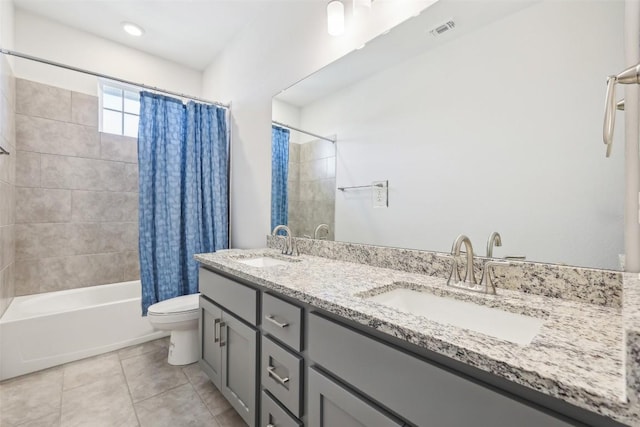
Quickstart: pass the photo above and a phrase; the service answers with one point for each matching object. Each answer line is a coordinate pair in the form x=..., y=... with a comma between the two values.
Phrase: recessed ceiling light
x=133, y=29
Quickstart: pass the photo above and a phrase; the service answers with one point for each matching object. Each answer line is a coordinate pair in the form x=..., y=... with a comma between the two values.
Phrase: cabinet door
x=330, y=405
x=210, y=354
x=239, y=344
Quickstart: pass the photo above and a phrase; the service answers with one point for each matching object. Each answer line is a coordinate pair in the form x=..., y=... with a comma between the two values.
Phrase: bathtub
x=44, y=330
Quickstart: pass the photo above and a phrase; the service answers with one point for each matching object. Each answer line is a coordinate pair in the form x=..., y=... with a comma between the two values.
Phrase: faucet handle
x=455, y=273
x=486, y=279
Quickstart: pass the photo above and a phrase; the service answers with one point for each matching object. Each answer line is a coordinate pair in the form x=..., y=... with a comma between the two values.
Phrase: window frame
x=124, y=87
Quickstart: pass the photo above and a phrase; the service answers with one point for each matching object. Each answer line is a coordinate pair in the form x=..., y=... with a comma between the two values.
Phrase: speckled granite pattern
x=631, y=314
x=603, y=287
x=578, y=356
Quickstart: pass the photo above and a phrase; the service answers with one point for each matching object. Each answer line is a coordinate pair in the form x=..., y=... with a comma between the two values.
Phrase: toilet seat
x=173, y=306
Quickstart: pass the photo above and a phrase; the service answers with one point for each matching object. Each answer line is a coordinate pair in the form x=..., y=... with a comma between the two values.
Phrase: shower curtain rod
x=282, y=125
x=105, y=76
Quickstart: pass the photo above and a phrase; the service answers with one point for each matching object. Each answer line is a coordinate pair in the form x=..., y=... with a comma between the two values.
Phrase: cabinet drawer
x=423, y=392
x=237, y=298
x=282, y=320
x=272, y=414
x=282, y=375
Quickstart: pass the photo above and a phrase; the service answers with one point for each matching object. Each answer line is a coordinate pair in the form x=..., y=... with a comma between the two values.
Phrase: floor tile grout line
x=126, y=382
x=61, y=396
x=163, y=392
x=199, y=395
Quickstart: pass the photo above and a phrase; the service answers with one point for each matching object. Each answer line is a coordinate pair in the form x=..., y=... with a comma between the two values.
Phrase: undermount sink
x=504, y=325
x=263, y=261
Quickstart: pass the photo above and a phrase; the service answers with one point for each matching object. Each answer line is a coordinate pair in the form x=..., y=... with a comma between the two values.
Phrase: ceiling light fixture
x=133, y=29
x=335, y=18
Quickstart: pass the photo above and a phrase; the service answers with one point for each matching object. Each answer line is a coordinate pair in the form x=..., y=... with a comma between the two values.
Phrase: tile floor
x=134, y=386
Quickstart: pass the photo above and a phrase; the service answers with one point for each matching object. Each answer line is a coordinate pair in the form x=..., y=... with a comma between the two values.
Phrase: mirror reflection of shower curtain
x=279, y=176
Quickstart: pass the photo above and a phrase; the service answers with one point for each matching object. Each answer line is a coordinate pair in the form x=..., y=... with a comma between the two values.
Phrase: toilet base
x=183, y=347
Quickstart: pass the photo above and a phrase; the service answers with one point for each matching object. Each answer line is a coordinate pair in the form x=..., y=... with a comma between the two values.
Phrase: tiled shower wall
x=312, y=187
x=76, y=194
x=7, y=184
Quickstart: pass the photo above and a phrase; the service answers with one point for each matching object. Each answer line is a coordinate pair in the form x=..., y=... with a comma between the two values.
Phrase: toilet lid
x=175, y=305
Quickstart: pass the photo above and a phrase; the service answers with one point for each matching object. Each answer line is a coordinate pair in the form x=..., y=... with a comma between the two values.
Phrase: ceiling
x=189, y=32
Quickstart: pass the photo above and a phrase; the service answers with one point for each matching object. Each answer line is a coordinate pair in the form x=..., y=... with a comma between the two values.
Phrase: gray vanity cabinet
x=330, y=405
x=239, y=344
x=210, y=354
x=229, y=341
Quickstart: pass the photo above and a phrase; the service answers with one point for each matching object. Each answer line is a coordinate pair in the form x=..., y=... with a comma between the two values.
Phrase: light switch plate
x=380, y=194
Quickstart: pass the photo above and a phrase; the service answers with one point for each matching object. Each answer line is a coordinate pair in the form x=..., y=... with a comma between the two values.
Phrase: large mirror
x=495, y=124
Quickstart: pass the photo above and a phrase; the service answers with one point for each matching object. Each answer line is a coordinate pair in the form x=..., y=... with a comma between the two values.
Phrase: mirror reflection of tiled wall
x=7, y=184
x=312, y=186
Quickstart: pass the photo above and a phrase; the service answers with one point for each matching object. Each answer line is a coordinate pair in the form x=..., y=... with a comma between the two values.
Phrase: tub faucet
x=455, y=251
x=316, y=234
x=289, y=243
x=494, y=239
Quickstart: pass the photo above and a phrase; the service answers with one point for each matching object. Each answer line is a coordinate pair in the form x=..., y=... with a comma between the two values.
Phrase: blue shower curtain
x=279, y=176
x=183, y=162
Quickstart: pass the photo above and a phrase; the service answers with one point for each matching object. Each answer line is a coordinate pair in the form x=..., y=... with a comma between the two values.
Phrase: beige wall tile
x=131, y=265
x=7, y=245
x=7, y=120
x=40, y=100
x=118, y=148
x=54, y=137
x=7, y=81
x=59, y=273
x=64, y=239
x=42, y=205
x=7, y=287
x=104, y=206
x=6, y=203
x=27, y=169
x=131, y=178
x=294, y=152
x=84, y=109
x=7, y=163
x=83, y=174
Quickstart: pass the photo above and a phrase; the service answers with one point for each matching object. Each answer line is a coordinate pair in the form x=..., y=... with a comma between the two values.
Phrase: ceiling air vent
x=441, y=29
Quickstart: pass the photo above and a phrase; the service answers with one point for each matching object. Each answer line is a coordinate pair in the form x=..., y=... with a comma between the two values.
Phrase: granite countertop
x=578, y=356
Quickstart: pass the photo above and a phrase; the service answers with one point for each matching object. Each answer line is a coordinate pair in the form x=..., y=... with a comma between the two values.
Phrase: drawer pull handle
x=216, y=330
x=272, y=373
x=222, y=325
x=273, y=320
x=271, y=425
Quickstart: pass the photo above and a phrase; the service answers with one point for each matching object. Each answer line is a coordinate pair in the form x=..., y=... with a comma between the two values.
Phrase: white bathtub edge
x=27, y=367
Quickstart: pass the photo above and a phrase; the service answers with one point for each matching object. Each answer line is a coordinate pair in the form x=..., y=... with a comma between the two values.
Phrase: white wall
x=264, y=60
x=498, y=130
x=289, y=115
x=47, y=39
x=6, y=24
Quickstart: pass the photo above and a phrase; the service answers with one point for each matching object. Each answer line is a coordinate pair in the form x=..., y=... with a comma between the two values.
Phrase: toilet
x=179, y=316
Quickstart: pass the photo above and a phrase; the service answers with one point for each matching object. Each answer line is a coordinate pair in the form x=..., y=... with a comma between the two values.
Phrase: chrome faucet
x=316, y=234
x=455, y=251
x=494, y=239
x=289, y=243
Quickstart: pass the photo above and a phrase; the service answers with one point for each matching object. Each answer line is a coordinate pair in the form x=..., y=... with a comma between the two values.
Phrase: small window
x=119, y=108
